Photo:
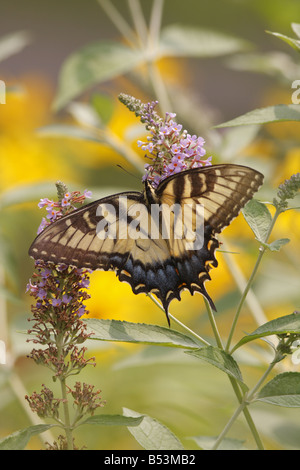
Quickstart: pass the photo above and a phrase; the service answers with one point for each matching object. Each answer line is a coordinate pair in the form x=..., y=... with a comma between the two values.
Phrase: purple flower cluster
x=171, y=148
x=56, y=209
x=60, y=289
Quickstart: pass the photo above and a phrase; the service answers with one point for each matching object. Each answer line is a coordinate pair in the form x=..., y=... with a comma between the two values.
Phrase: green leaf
x=18, y=440
x=294, y=43
x=104, y=106
x=296, y=28
x=277, y=113
x=220, y=359
x=93, y=64
x=13, y=43
x=179, y=40
x=25, y=193
x=207, y=442
x=121, y=331
x=152, y=435
x=84, y=114
x=281, y=325
x=8, y=295
x=275, y=64
x=283, y=390
x=277, y=244
x=258, y=217
x=69, y=131
x=235, y=140
x=113, y=420
x=98, y=135
x=101, y=61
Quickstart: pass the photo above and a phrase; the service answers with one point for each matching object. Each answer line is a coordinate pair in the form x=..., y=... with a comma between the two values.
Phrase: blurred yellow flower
x=25, y=157
x=113, y=299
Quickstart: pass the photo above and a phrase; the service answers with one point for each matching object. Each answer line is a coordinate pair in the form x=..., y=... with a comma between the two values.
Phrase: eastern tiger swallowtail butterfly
x=162, y=265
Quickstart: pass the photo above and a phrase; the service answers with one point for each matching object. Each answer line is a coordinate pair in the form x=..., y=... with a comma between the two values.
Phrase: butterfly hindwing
x=222, y=191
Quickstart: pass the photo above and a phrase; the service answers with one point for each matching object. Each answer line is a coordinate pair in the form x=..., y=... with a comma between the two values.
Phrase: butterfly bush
x=50, y=287
x=170, y=148
x=56, y=209
x=287, y=190
x=59, y=292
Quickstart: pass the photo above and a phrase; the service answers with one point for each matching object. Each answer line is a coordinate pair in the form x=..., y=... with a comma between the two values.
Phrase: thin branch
x=262, y=250
x=155, y=21
x=20, y=391
x=119, y=22
x=202, y=340
x=241, y=282
x=139, y=21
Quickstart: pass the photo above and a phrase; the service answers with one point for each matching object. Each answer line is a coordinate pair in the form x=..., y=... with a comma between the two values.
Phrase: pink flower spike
x=44, y=202
x=43, y=225
x=52, y=214
x=65, y=202
x=42, y=294
x=87, y=194
x=165, y=130
x=66, y=298
x=176, y=149
x=81, y=311
x=31, y=287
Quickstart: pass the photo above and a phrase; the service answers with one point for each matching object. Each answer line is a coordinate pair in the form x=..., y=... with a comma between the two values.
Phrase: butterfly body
x=157, y=258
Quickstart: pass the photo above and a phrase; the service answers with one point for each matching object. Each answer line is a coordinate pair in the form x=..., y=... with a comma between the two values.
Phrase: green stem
x=119, y=22
x=139, y=21
x=241, y=282
x=158, y=85
x=202, y=340
x=206, y=343
x=262, y=250
x=20, y=391
x=245, y=402
x=117, y=144
x=233, y=382
x=155, y=21
x=247, y=414
x=67, y=423
x=213, y=324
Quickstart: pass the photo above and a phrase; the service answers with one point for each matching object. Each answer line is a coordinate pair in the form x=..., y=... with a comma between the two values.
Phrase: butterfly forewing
x=222, y=190
x=76, y=238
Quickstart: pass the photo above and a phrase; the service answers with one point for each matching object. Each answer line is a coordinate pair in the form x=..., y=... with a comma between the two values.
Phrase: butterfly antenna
x=128, y=172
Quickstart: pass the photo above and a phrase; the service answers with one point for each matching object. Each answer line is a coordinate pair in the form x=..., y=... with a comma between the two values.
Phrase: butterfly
x=96, y=235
